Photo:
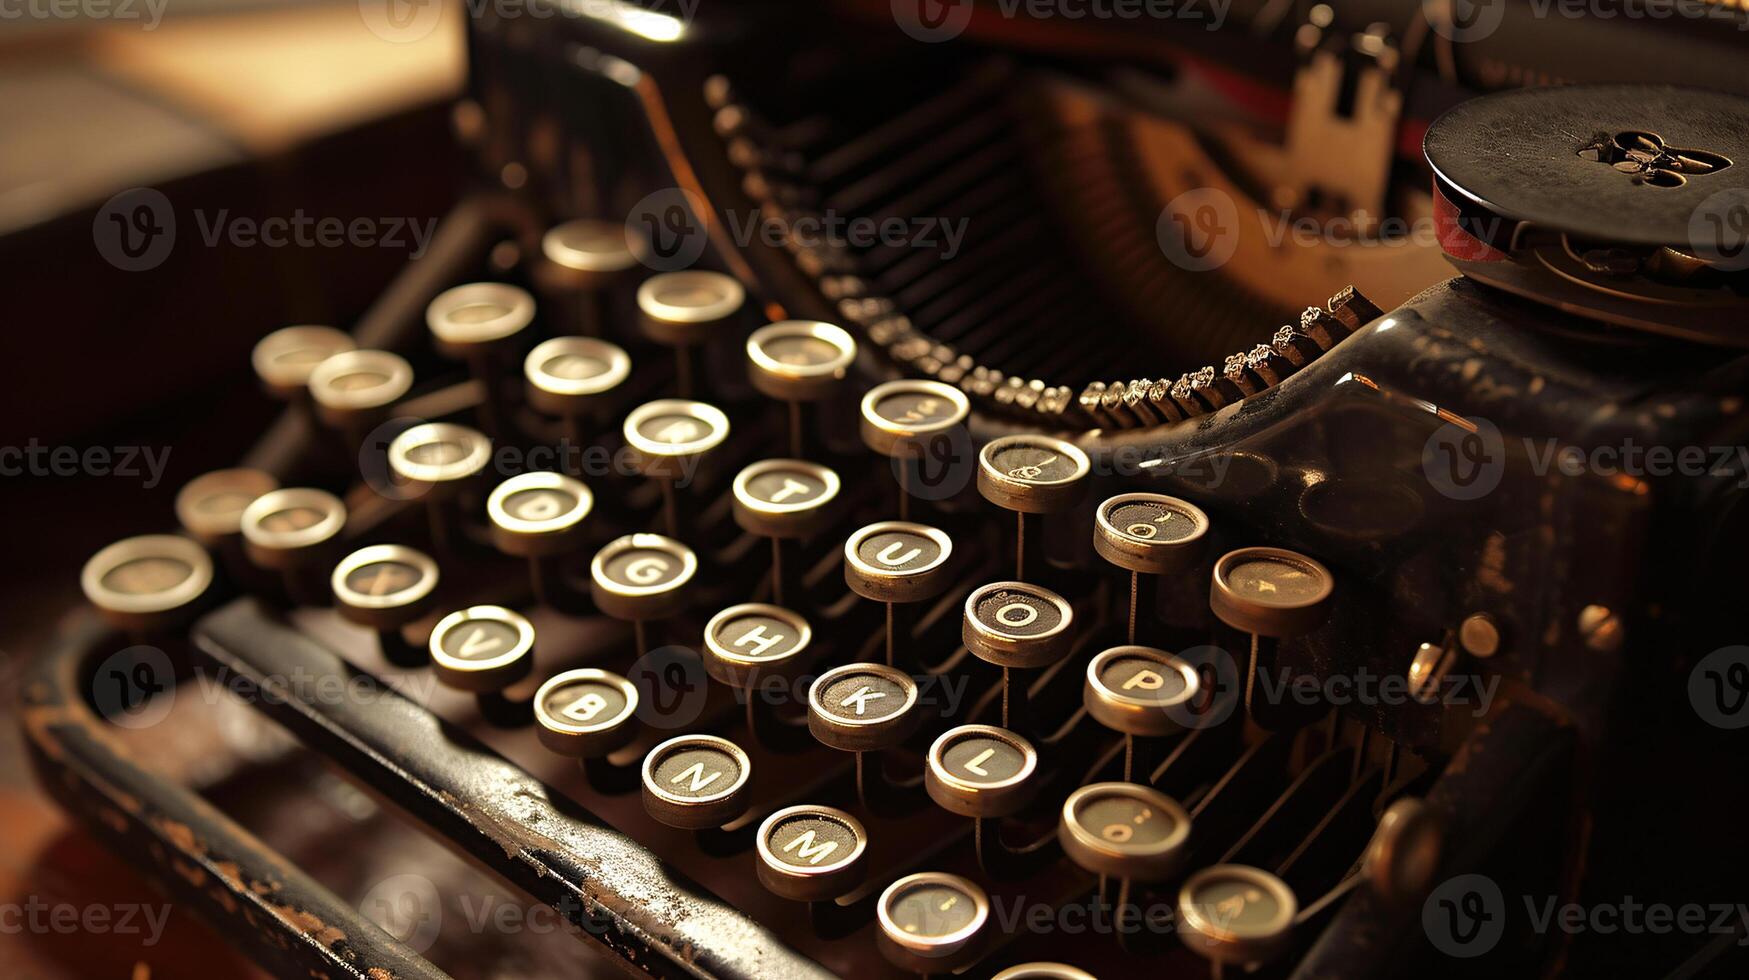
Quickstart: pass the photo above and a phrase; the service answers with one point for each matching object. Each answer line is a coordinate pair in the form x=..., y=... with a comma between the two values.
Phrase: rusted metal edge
x=284, y=920
x=615, y=890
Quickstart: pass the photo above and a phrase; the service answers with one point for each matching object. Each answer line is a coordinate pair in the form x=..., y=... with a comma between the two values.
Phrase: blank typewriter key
x=696, y=782
x=295, y=531
x=641, y=577
x=579, y=260
x=1043, y=971
x=1029, y=475
x=285, y=358
x=210, y=508
x=784, y=499
x=440, y=459
x=796, y=361
x=485, y=649
x=1015, y=625
x=354, y=389
x=143, y=584
x=986, y=773
x=385, y=587
x=685, y=310
x=1236, y=914
x=539, y=516
x=588, y=714
x=811, y=853
x=479, y=323
x=567, y=377
x=865, y=709
x=669, y=439
x=1139, y=691
x=912, y=421
x=932, y=922
x=897, y=562
x=1149, y=534
x=1269, y=593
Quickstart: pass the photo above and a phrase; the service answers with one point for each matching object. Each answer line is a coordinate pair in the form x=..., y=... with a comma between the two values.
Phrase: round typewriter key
x=143, y=583
x=1148, y=534
x=897, y=562
x=580, y=259
x=932, y=922
x=640, y=577
x=1236, y=914
x=811, y=853
x=1124, y=830
x=668, y=439
x=210, y=506
x=908, y=419
x=1030, y=475
x=479, y=322
x=482, y=648
x=797, y=361
x=385, y=587
x=1271, y=592
x=784, y=498
x=686, y=309
x=566, y=376
x=285, y=358
x=1033, y=474
x=293, y=530
x=538, y=514
x=586, y=713
x=863, y=707
x=439, y=459
x=354, y=389
x=981, y=771
x=1139, y=690
x=471, y=318
x=696, y=782
x=1043, y=971
x=1014, y=624
x=752, y=640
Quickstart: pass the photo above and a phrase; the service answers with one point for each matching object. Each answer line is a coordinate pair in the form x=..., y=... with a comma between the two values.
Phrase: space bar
x=619, y=893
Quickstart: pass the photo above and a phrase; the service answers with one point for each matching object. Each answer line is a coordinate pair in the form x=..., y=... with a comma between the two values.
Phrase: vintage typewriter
x=839, y=498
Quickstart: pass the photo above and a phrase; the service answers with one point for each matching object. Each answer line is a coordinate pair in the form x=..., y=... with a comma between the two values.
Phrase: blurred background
x=238, y=112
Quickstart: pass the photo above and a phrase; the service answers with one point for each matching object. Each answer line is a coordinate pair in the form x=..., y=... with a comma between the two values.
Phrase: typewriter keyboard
x=772, y=659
